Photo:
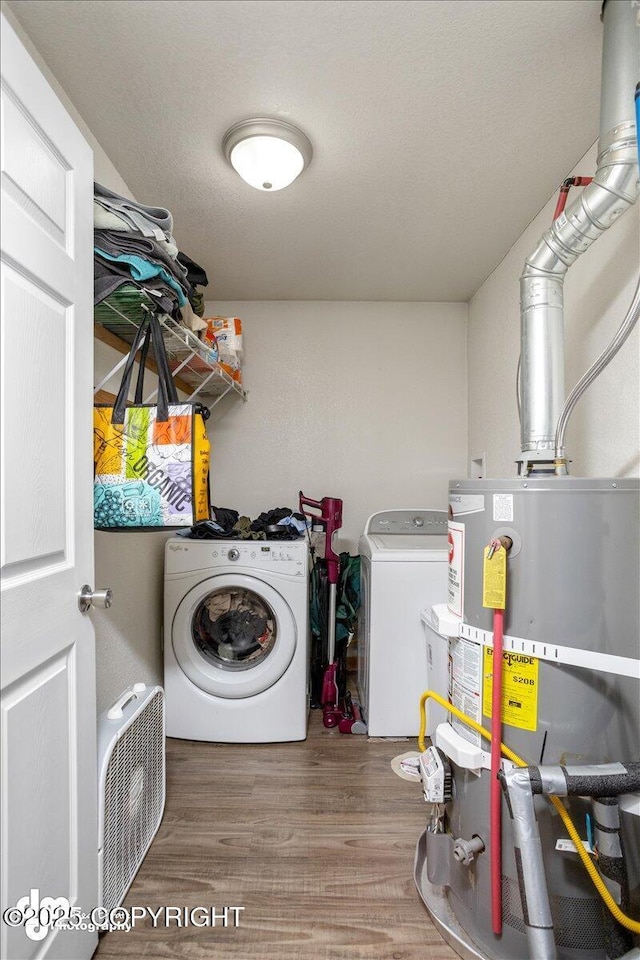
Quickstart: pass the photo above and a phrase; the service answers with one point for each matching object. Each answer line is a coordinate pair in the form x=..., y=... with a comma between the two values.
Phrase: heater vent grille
x=577, y=921
x=512, y=905
x=133, y=799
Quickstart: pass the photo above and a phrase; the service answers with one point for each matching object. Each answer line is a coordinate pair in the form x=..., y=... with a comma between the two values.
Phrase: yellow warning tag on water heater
x=519, y=688
x=494, y=577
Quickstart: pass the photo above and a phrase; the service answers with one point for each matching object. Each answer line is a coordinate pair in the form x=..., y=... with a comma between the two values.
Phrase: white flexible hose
x=596, y=369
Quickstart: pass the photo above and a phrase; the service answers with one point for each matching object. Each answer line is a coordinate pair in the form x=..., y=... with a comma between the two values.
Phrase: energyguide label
x=519, y=689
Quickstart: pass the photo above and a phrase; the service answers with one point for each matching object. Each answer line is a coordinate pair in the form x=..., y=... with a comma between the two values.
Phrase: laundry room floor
x=315, y=840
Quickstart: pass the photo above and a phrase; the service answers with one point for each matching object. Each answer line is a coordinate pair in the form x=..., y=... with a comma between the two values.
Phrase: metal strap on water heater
x=570, y=656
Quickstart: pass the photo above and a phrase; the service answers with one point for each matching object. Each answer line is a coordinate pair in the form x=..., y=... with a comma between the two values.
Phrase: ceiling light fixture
x=267, y=154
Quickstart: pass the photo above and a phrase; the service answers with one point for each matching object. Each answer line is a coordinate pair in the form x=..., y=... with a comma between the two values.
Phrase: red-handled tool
x=328, y=513
x=351, y=720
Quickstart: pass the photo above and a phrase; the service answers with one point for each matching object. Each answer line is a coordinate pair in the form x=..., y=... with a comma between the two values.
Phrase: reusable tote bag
x=151, y=461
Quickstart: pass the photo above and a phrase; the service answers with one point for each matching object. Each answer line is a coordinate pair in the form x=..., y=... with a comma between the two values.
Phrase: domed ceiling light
x=267, y=154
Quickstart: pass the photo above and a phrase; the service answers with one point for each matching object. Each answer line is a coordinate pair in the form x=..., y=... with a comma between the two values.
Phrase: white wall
x=603, y=437
x=363, y=401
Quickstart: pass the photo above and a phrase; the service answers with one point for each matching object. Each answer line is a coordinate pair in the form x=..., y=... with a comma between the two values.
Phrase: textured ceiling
x=440, y=128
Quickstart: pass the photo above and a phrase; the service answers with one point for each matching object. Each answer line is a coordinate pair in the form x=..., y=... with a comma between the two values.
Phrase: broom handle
x=331, y=625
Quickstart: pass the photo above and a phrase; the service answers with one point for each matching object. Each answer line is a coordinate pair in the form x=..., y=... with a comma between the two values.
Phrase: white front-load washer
x=403, y=569
x=236, y=640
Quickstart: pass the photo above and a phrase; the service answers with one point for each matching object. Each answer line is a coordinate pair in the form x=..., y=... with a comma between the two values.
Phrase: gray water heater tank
x=573, y=581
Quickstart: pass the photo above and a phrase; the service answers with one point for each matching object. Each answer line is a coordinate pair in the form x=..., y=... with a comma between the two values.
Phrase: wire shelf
x=200, y=378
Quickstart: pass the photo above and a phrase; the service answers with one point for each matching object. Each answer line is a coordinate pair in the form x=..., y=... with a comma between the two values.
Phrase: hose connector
x=465, y=851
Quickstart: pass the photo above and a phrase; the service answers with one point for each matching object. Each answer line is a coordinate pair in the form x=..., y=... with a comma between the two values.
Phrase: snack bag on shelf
x=226, y=332
x=210, y=342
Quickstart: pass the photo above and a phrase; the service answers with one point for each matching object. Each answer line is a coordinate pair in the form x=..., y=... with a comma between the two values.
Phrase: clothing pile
x=134, y=251
x=233, y=626
x=197, y=278
x=281, y=523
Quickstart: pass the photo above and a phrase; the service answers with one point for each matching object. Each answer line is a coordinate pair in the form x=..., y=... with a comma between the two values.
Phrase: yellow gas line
x=598, y=883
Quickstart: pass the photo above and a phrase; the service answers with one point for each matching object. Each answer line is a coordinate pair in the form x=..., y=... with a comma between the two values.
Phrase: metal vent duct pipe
x=614, y=189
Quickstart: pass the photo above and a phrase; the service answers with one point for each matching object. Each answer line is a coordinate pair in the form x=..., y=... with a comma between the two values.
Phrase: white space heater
x=131, y=787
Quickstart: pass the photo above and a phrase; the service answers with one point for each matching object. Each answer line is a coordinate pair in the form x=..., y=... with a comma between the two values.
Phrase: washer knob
x=418, y=521
x=233, y=554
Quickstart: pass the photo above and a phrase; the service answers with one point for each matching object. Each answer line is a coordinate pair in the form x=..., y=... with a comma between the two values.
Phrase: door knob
x=88, y=598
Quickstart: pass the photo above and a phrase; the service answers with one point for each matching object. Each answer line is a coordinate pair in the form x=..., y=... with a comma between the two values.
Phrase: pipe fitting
x=465, y=851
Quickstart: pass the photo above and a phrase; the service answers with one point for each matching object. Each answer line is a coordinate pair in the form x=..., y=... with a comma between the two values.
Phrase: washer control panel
x=281, y=555
x=284, y=556
x=418, y=522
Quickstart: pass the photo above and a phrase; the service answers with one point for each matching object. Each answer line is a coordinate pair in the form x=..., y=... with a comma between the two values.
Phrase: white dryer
x=404, y=563
x=236, y=640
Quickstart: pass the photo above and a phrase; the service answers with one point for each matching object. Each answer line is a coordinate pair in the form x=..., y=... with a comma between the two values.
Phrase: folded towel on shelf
x=104, y=219
x=142, y=269
x=134, y=250
x=110, y=278
x=150, y=221
x=116, y=241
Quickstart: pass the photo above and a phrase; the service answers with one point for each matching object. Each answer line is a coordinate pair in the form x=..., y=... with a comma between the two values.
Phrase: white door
x=48, y=791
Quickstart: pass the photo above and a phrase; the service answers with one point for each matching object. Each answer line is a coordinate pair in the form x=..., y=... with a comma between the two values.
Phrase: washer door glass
x=234, y=635
x=234, y=628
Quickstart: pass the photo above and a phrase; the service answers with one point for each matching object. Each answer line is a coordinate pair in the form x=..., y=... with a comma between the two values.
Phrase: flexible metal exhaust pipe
x=520, y=784
x=613, y=191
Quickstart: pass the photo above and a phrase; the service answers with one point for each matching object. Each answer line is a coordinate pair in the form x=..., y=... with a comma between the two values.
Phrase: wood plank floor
x=315, y=840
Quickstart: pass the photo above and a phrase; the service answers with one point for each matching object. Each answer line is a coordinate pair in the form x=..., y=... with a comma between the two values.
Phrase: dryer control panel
x=417, y=522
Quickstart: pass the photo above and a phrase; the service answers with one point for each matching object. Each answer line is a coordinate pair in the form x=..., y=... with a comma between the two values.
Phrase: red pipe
x=496, y=790
x=564, y=192
x=562, y=201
